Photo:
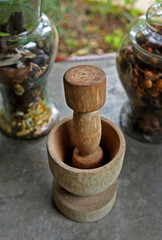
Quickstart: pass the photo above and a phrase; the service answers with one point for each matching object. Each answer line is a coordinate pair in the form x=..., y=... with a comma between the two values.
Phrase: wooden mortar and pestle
x=85, y=153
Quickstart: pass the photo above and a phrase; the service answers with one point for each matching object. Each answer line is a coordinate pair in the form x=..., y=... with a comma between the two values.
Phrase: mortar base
x=84, y=209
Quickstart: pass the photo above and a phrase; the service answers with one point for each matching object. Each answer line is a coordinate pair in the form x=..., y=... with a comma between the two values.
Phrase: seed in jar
x=22, y=133
x=147, y=84
x=134, y=82
x=34, y=68
x=20, y=64
x=19, y=90
x=28, y=122
x=40, y=72
x=155, y=60
x=149, y=50
x=149, y=74
x=24, y=124
x=159, y=83
x=18, y=114
x=140, y=92
x=153, y=92
x=22, y=72
x=41, y=60
x=136, y=71
x=29, y=55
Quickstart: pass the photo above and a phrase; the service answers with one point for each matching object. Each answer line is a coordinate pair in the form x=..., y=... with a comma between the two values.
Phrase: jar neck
x=145, y=41
x=17, y=16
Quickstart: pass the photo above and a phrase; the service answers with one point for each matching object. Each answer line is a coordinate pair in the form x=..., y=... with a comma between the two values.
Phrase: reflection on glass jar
x=28, y=46
x=139, y=64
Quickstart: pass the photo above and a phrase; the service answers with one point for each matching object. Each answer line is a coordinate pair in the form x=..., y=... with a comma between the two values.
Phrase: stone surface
x=27, y=211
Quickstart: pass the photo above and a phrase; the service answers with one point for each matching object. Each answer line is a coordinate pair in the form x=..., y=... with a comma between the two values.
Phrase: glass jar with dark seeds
x=139, y=65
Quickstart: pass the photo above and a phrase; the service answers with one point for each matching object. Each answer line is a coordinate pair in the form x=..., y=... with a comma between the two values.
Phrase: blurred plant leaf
x=135, y=12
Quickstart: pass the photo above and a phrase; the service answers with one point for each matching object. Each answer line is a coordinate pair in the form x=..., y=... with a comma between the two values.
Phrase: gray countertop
x=27, y=211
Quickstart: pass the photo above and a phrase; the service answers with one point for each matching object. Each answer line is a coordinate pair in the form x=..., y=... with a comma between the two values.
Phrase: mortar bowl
x=85, y=182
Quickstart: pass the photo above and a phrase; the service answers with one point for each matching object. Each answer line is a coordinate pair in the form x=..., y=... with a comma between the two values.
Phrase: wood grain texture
x=85, y=88
x=87, y=131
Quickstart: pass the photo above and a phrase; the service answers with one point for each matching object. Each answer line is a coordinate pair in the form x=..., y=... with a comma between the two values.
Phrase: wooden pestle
x=85, y=93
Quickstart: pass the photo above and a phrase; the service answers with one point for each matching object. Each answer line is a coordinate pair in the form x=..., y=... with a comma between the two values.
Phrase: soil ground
x=86, y=28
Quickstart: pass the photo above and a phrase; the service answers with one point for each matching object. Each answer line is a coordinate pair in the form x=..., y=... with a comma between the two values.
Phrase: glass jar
x=28, y=46
x=139, y=65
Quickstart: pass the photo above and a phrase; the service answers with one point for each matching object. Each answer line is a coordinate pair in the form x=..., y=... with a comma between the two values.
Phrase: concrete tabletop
x=27, y=211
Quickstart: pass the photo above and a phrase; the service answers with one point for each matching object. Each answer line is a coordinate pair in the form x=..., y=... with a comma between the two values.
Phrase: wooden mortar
x=81, y=194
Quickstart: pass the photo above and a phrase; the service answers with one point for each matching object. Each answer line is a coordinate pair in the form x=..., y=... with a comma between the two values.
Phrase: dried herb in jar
x=26, y=58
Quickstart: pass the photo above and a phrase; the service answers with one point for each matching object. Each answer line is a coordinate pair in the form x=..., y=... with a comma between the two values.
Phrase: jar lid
x=154, y=18
x=146, y=35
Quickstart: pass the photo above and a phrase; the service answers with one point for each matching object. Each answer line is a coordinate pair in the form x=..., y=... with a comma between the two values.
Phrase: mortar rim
x=122, y=147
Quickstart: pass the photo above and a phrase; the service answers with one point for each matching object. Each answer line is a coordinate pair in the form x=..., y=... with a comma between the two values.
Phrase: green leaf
x=118, y=32
x=2, y=34
x=116, y=41
x=108, y=39
x=71, y=42
x=130, y=2
x=135, y=12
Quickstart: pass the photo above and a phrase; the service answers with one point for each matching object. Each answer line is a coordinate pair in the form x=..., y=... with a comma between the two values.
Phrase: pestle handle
x=87, y=131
